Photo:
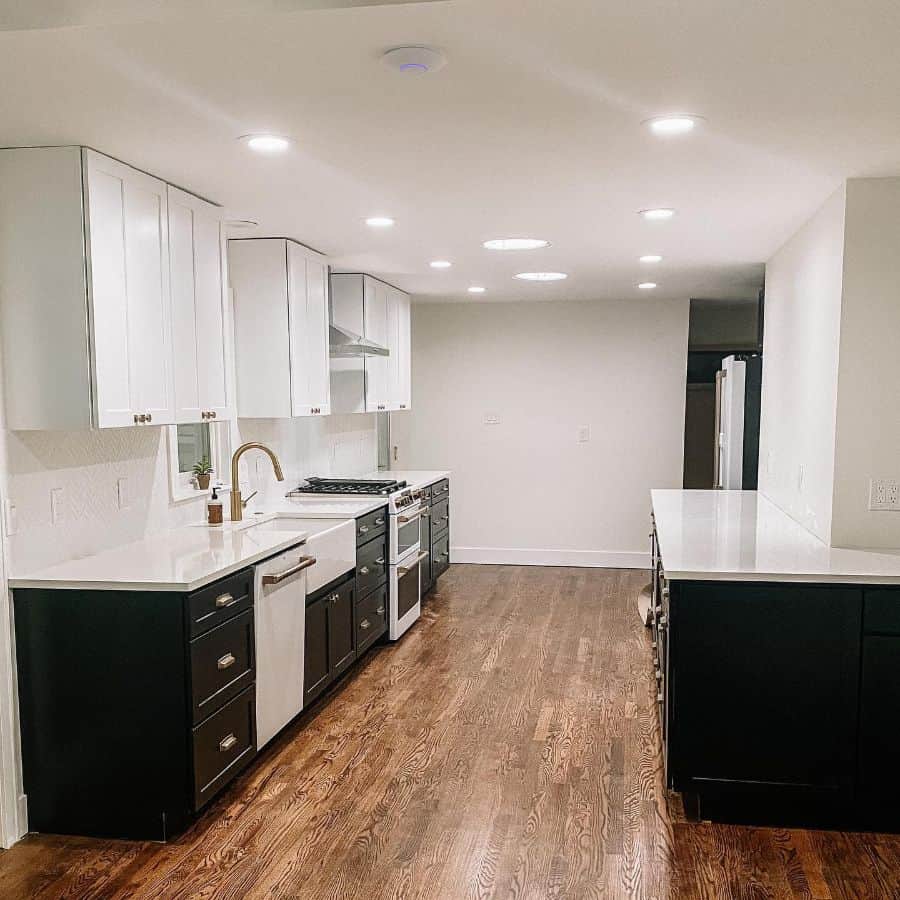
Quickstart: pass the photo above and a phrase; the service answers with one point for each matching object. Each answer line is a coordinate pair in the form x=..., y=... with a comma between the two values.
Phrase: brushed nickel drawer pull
x=379, y=521
x=305, y=563
x=226, y=661
x=365, y=624
x=380, y=561
x=224, y=600
x=364, y=570
x=227, y=743
x=363, y=529
x=380, y=610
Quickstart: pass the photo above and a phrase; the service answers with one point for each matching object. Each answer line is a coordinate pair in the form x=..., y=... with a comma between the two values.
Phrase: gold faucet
x=237, y=505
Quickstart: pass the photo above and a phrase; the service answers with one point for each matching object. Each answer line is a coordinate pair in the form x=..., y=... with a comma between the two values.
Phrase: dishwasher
x=280, y=617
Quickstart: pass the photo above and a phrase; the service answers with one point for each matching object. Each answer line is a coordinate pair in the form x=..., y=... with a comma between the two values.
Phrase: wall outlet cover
x=884, y=494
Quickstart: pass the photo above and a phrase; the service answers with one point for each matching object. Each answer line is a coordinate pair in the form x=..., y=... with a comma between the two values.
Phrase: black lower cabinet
x=136, y=707
x=439, y=532
x=330, y=643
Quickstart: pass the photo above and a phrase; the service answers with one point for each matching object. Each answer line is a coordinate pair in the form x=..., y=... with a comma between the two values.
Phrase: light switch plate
x=584, y=434
x=491, y=419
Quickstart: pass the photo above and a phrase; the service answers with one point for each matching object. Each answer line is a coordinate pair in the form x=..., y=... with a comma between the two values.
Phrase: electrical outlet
x=884, y=494
x=122, y=493
x=10, y=518
x=56, y=505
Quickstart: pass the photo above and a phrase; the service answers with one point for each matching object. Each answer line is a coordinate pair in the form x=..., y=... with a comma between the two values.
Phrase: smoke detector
x=415, y=60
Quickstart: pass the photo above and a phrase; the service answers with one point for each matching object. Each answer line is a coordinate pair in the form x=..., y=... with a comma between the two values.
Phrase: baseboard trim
x=515, y=556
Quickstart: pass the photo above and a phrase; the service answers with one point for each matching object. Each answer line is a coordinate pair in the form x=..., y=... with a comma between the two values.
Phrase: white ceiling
x=534, y=128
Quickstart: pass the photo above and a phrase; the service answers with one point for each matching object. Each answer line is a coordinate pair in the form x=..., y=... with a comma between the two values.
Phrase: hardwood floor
x=506, y=748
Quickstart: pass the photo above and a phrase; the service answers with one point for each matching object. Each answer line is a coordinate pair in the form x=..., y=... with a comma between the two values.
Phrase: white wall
x=526, y=490
x=799, y=394
x=868, y=405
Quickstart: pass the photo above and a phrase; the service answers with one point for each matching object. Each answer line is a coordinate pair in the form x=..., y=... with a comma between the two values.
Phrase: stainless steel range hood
x=346, y=344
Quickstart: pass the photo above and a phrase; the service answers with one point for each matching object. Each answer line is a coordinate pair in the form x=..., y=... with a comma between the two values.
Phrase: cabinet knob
x=213, y=414
x=204, y=414
x=137, y=418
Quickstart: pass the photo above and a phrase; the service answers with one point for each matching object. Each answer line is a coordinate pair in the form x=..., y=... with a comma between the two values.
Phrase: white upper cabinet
x=196, y=263
x=280, y=291
x=86, y=294
x=381, y=314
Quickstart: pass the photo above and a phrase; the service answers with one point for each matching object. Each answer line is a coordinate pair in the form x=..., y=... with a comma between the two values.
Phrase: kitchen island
x=776, y=658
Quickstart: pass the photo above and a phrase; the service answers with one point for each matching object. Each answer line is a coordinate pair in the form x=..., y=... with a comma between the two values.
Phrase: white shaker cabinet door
x=404, y=352
x=375, y=310
x=308, y=316
x=129, y=294
x=198, y=322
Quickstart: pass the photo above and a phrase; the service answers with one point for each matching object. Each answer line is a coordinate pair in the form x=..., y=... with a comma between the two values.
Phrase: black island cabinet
x=137, y=707
x=779, y=701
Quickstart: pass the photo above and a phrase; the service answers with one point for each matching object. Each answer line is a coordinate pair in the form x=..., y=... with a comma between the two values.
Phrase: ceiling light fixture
x=651, y=258
x=647, y=285
x=669, y=126
x=415, y=60
x=440, y=264
x=659, y=214
x=475, y=289
x=266, y=143
x=541, y=276
x=379, y=221
x=515, y=244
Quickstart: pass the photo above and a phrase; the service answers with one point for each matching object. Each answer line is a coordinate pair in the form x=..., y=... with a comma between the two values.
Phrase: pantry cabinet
x=280, y=295
x=196, y=265
x=93, y=335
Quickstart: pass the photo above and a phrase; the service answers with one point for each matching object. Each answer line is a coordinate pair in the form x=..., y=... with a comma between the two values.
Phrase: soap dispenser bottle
x=214, y=509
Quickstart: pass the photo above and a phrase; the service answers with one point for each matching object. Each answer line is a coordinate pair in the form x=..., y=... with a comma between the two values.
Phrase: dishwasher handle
x=278, y=577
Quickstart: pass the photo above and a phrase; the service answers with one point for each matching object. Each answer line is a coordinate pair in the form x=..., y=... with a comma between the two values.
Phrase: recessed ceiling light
x=542, y=276
x=667, y=126
x=657, y=215
x=651, y=258
x=515, y=244
x=415, y=60
x=379, y=221
x=647, y=285
x=266, y=143
x=475, y=289
x=441, y=264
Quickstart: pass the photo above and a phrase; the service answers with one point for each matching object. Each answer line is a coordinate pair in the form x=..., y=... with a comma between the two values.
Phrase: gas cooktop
x=348, y=486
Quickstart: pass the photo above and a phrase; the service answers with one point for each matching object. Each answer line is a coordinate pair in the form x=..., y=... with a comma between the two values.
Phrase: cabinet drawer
x=440, y=490
x=440, y=556
x=440, y=516
x=371, y=566
x=217, y=602
x=222, y=665
x=371, y=619
x=882, y=612
x=371, y=525
x=223, y=745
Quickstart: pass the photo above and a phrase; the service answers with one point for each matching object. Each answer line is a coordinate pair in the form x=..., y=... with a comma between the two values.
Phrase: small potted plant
x=202, y=472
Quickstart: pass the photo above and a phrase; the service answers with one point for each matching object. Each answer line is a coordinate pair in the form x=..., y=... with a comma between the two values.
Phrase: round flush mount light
x=542, y=276
x=440, y=264
x=647, y=285
x=659, y=214
x=379, y=221
x=651, y=258
x=515, y=244
x=476, y=289
x=266, y=143
x=671, y=126
x=415, y=60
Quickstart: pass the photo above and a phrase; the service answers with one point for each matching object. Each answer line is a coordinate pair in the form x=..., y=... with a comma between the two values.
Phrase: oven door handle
x=405, y=520
x=405, y=570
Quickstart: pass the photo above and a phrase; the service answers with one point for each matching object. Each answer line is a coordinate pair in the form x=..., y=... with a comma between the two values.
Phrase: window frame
x=181, y=484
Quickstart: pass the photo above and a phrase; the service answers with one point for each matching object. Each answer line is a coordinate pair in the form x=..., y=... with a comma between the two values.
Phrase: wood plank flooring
x=506, y=748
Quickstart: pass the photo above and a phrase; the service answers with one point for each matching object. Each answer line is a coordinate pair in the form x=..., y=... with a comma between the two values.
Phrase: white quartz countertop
x=332, y=508
x=742, y=536
x=182, y=559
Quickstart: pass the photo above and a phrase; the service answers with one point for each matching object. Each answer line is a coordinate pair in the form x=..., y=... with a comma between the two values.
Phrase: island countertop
x=743, y=536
